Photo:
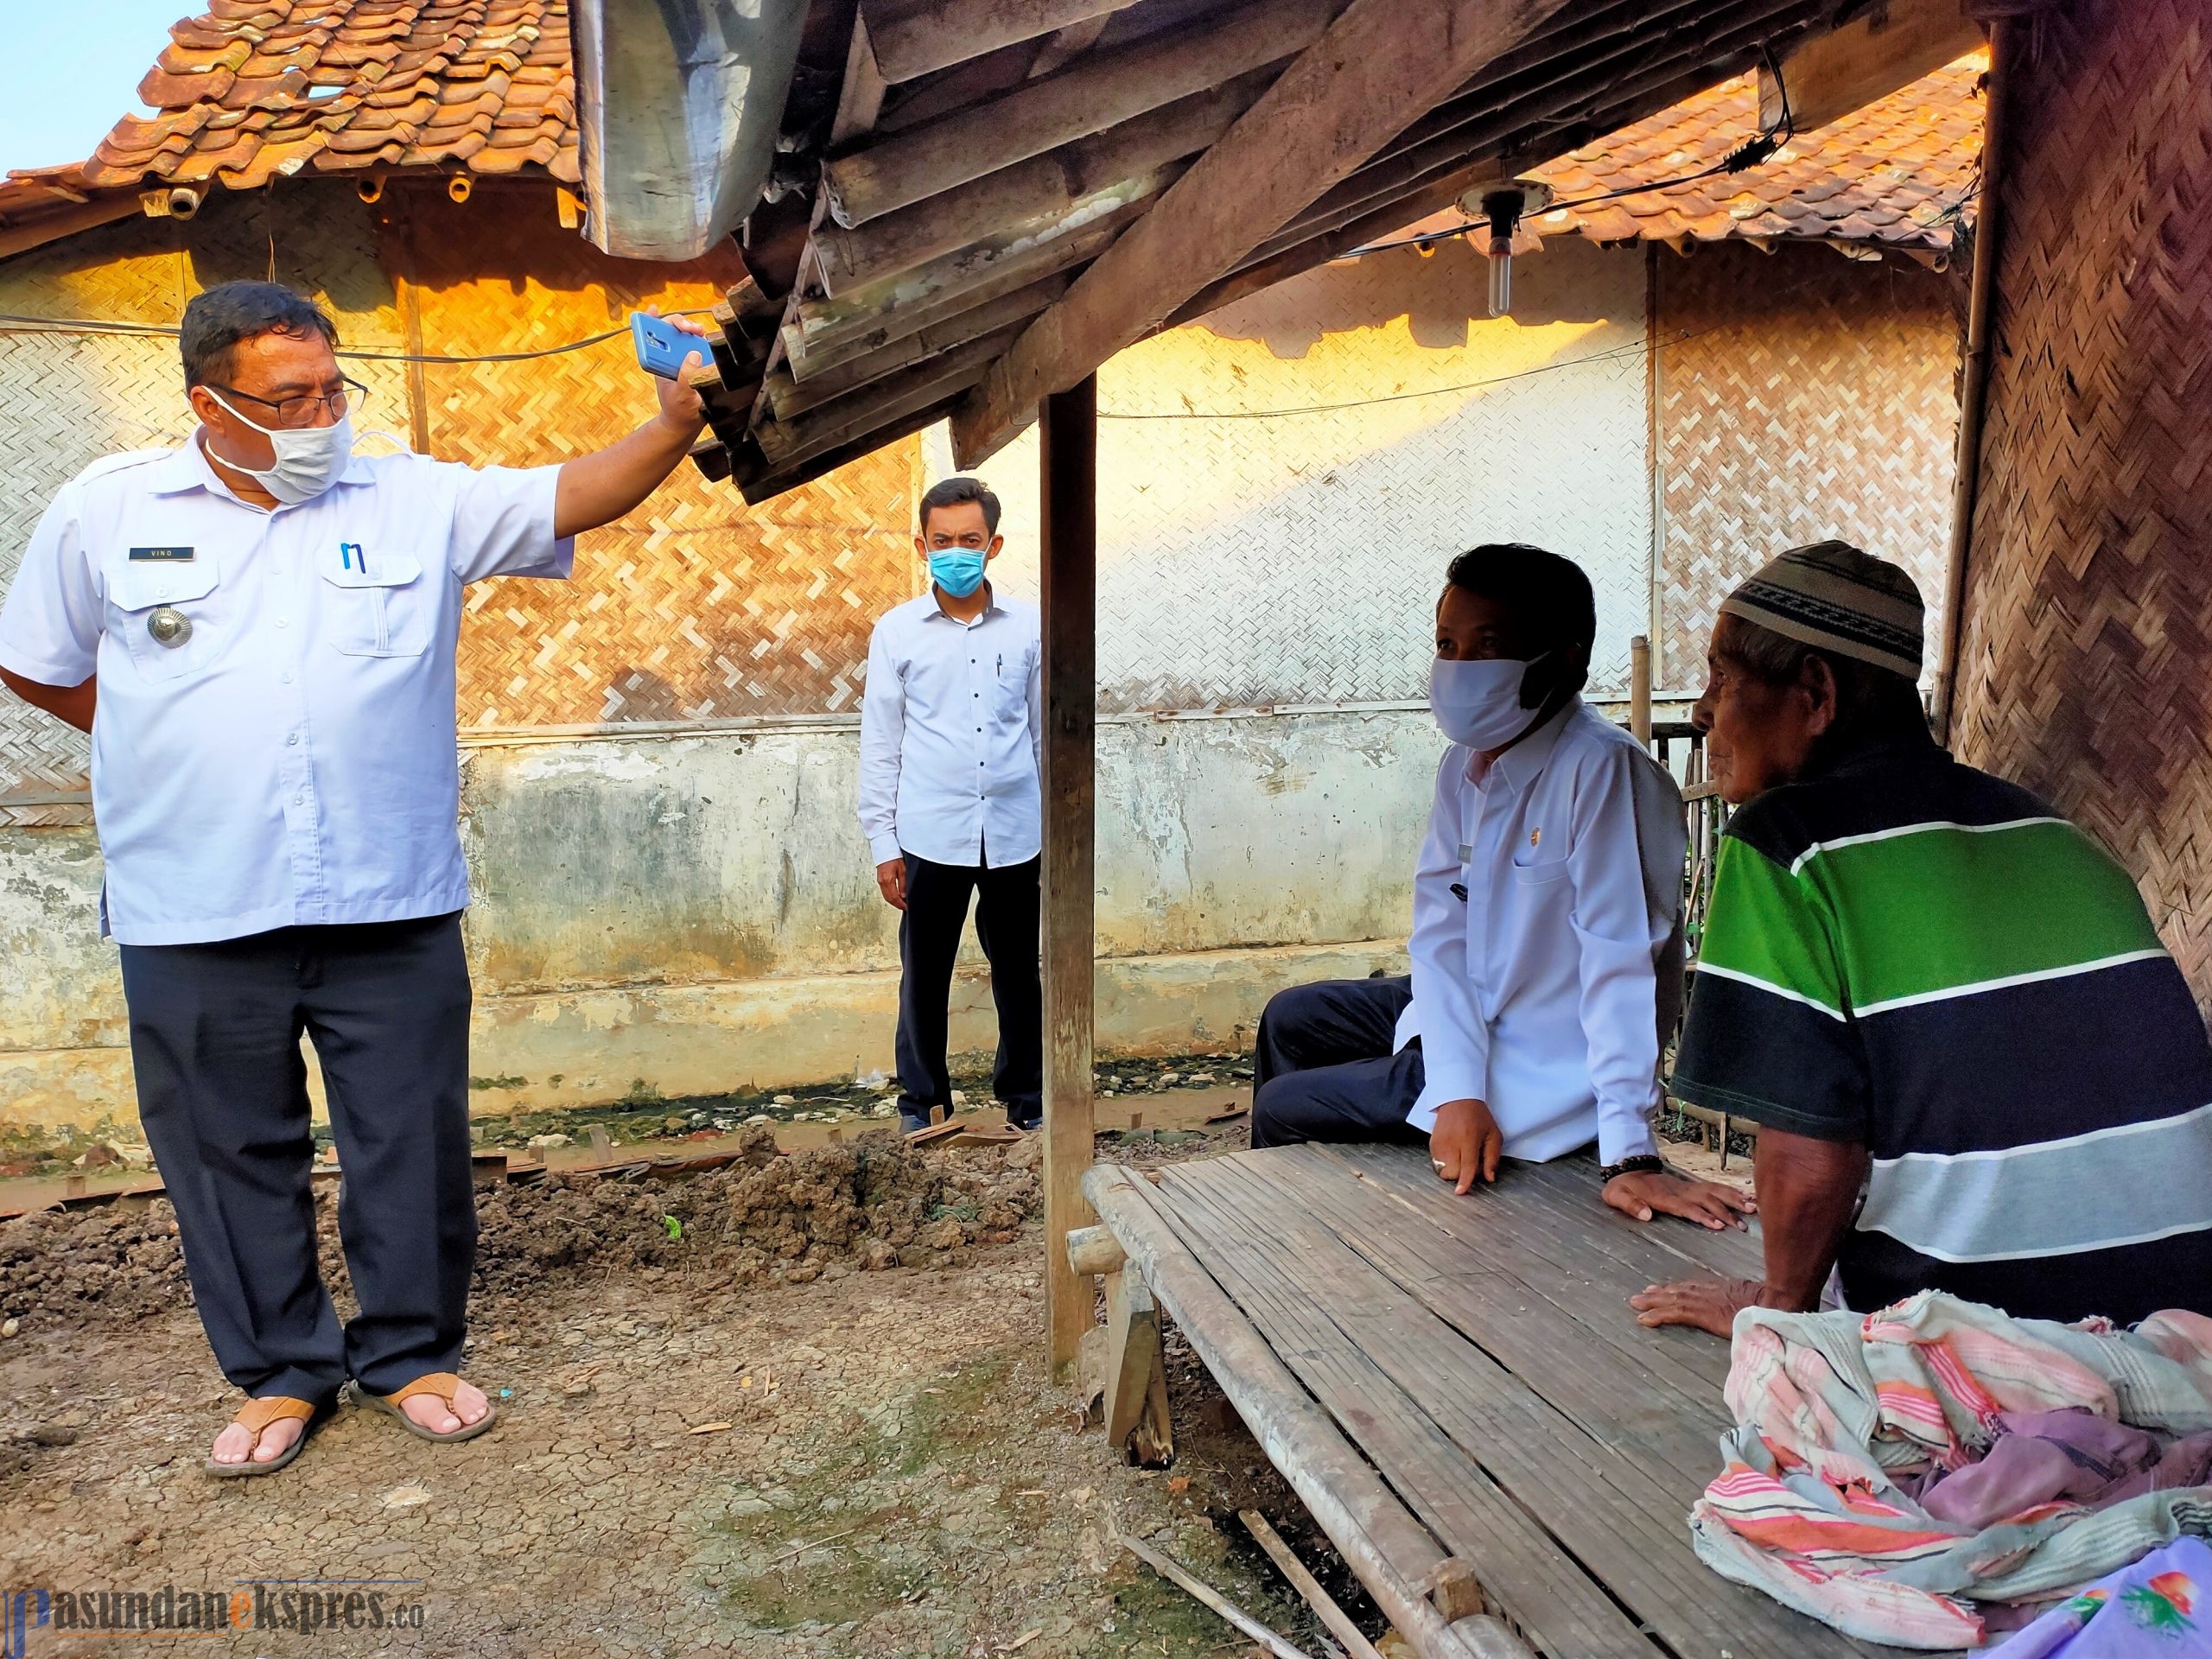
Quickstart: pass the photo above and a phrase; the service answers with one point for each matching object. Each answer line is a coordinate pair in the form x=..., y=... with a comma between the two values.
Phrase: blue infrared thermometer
x=662, y=347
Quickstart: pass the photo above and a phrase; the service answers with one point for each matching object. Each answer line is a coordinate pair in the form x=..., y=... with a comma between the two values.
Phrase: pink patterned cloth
x=1841, y=1496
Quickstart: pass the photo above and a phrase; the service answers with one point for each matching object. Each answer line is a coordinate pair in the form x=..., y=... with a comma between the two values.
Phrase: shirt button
x=283, y=622
x=286, y=677
x=291, y=738
x=299, y=800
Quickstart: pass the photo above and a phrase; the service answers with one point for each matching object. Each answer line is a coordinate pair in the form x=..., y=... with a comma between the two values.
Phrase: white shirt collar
x=991, y=608
x=1523, y=764
x=187, y=467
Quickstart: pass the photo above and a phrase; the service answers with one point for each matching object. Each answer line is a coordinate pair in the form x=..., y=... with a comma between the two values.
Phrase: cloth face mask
x=958, y=570
x=310, y=458
x=1478, y=703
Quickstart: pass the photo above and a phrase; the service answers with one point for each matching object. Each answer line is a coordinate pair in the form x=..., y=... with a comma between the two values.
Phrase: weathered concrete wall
x=694, y=912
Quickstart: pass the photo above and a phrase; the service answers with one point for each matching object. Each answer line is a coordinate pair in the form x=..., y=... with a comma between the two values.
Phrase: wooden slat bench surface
x=1479, y=1354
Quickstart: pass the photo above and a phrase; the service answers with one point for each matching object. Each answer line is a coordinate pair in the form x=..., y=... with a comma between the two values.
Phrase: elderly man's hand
x=1703, y=1304
x=680, y=406
x=1642, y=1195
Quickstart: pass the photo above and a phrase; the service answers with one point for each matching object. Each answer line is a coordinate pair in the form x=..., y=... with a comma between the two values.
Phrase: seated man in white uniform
x=1547, y=943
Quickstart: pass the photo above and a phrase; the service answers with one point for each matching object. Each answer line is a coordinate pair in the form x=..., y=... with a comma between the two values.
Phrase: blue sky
x=65, y=83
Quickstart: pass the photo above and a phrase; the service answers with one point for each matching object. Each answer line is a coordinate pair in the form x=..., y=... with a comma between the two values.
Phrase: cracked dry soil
x=742, y=1441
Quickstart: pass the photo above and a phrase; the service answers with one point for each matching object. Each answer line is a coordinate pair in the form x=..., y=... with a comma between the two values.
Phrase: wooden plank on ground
x=1317, y=1299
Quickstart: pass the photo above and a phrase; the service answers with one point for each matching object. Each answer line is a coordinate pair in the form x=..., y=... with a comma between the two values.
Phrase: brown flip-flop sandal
x=257, y=1414
x=442, y=1383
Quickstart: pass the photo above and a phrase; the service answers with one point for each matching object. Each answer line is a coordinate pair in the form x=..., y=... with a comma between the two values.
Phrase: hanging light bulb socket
x=1502, y=207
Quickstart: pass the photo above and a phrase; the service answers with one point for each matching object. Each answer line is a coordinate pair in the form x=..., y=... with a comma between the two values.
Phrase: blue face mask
x=958, y=570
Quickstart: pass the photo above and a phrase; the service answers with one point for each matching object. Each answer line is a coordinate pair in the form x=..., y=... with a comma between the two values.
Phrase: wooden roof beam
x=1074, y=183
x=1333, y=242
x=1871, y=56
x=822, y=333
x=760, y=481
x=1375, y=71
x=913, y=38
x=789, y=397
x=1530, y=88
x=872, y=407
x=1099, y=92
x=1454, y=134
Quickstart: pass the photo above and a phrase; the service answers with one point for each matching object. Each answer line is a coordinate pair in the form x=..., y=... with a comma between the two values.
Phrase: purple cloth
x=2159, y=1606
x=2070, y=1455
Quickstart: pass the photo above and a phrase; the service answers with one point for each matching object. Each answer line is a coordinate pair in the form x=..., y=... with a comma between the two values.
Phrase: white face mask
x=310, y=458
x=1478, y=703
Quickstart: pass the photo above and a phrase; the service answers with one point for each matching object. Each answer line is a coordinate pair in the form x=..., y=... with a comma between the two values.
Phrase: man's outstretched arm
x=69, y=703
x=1807, y=1190
x=599, y=488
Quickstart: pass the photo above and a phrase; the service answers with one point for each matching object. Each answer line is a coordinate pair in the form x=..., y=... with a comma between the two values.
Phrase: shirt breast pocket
x=1010, y=689
x=382, y=610
x=1540, y=875
x=167, y=614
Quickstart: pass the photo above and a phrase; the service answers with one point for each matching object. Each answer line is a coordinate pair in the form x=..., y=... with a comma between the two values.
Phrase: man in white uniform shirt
x=1547, y=944
x=258, y=629
x=952, y=733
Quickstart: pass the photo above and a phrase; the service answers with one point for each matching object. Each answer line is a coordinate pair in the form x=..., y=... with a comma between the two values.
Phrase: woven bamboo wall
x=1801, y=396
x=67, y=399
x=695, y=606
x=2088, y=615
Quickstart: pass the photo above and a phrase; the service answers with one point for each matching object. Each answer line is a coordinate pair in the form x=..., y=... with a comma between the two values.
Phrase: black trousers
x=222, y=1089
x=1007, y=923
x=1322, y=1068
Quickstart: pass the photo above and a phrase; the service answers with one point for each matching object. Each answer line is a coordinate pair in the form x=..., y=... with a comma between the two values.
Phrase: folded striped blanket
x=1840, y=1416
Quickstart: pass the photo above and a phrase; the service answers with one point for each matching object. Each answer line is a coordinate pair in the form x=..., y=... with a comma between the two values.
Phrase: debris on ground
x=865, y=1205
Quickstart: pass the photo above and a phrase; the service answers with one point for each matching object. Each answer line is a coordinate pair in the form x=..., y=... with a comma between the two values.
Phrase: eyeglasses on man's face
x=306, y=408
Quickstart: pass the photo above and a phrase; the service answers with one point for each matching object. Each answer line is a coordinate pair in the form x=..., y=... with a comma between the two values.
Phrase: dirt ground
x=815, y=1423
x=794, y=1408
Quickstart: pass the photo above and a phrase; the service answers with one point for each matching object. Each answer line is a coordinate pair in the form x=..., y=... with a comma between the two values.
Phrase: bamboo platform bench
x=1454, y=1387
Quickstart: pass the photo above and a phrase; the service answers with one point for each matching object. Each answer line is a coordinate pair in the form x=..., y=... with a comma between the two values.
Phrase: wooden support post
x=1135, y=1373
x=1639, y=690
x=1069, y=465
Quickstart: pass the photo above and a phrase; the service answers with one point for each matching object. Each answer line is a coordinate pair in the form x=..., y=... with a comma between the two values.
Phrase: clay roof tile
x=1891, y=172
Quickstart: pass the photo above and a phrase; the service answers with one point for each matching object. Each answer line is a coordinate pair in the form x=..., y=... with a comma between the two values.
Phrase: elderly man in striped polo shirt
x=1927, y=988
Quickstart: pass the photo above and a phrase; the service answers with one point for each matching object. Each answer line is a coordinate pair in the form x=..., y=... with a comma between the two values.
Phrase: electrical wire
x=1634, y=348
x=1748, y=155
x=18, y=322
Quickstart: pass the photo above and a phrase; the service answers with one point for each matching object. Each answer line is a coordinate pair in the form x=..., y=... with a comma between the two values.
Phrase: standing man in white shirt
x=1547, y=943
x=952, y=733
x=258, y=629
